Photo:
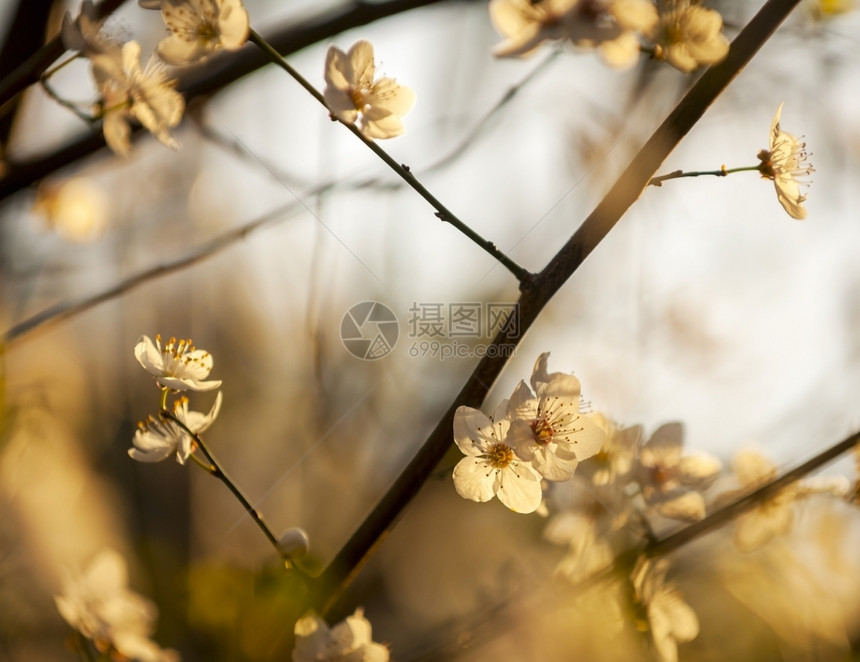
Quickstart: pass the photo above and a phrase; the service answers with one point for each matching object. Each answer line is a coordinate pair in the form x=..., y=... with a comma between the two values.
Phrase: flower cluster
x=539, y=433
x=145, y=94
x=681, y=32
x=100, y=606
x=348, y=640
x=177, y=366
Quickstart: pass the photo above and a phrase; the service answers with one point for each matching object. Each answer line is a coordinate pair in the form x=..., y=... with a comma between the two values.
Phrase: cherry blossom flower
x=784, y=163
x=670, y=620
x=177, y=365
x=100, y=606
x=672, y=482
x=547, y=428
x=491, y=468
x=611, y=26
x=525, y=25
x=775, y=515
x=348, y=641
x=353, y=96
x=690, y=35
x=200, y=28
x=158, y=439
x=128, y=91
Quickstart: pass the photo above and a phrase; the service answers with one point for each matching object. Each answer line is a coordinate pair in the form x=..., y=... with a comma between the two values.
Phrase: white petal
x=473, y=479
x=469, y=426
x=520, y=489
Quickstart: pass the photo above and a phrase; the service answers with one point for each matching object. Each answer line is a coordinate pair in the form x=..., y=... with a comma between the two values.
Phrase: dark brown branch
x=608, y=212
x=33, y=67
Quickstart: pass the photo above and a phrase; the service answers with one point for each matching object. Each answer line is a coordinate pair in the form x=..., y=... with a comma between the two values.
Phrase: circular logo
x=369, y=330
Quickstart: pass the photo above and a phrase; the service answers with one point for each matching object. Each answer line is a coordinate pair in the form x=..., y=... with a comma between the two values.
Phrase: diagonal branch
x=346, y=564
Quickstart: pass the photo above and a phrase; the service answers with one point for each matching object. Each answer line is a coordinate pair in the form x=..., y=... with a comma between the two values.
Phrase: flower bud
x=294, y=543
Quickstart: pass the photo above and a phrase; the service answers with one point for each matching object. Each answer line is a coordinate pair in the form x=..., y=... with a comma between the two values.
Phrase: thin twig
x=215, y=469
x=442, y=212
x=677, y=174
x=69, y=308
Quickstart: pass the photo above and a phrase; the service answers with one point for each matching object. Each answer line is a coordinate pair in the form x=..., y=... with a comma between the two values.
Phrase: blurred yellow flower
x=77, y=209
x=200, y=28
x=129, y=91
x=690, y=35
x=100, y=606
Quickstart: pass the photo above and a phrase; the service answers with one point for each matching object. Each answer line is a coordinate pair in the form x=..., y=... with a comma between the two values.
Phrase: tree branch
x=627, y=189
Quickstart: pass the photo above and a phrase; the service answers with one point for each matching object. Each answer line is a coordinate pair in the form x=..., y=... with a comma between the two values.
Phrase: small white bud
x=294, y=543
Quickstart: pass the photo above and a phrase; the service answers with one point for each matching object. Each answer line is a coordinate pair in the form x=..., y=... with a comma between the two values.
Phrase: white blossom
x=159, y=438
x=547, y=429
x=491, y=468
x=785, y=163
x=354, y=97
x=348, y=641
x=200, y=28
x=177, y=365
x=129, y=92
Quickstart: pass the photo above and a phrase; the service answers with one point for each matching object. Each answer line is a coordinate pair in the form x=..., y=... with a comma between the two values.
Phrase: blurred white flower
x=100, y=606
x=672, y=482
x=353, y=95
x=84, y=33
x=76, y=209
x=784, y=163
x=587, y=551
x=491, y=468
x=158, y=439
x=616, y=458
x=128, y=92
x=547, y=429
x=200, y=28
x=611, y=26
x=670, y=620
x=690, y=35
x=775, y=515
x=178, y=365
x=525, y=25
x=348, y=641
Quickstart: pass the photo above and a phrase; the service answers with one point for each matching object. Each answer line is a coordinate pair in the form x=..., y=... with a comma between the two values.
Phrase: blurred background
x=707, y=304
